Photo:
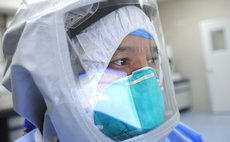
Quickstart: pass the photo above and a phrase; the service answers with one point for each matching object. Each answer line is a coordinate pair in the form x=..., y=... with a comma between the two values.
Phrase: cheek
x=110, y=75
x=158, y=71
x=126, y=69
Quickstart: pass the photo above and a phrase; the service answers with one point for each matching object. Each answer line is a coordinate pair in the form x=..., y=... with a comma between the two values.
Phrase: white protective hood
x=40, y=74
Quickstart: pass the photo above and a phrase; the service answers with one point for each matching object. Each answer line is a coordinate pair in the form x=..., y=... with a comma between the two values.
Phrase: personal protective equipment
x=140, y=96
x=183, y=133
x=49, y=46
x=141, y=33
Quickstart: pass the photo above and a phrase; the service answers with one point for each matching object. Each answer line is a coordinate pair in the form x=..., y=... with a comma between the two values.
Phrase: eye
x=121, y=62
x=153, y=61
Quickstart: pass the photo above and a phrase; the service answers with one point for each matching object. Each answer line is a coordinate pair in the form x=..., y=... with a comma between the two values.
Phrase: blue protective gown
x=183, y=133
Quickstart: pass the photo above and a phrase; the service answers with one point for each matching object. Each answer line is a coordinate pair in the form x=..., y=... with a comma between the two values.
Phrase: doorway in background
x=216, y=49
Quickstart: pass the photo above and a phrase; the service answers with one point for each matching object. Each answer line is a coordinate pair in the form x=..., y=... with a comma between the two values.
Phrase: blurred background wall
x=11, y=126
x=181, y=25
x=9, y=6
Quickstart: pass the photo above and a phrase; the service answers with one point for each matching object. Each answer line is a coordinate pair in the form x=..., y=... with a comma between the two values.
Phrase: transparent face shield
x=120, y=67
x=130, y=99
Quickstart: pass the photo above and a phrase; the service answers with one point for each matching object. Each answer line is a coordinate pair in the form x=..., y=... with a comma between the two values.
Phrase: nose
x=139, y=62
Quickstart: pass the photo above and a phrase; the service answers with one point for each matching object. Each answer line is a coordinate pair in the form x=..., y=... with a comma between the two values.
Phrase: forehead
x=132, y=42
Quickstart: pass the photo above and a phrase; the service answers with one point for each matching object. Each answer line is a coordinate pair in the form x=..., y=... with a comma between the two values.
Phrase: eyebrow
x=128, y=48
x=124, y=48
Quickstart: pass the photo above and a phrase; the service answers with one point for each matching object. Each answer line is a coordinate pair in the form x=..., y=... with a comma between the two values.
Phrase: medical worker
x=92, y=70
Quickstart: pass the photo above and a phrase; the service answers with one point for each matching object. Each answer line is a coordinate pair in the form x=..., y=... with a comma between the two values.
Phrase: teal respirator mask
x=130, y=106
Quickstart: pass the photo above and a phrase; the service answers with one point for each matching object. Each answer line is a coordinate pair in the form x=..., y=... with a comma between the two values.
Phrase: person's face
x=132, y=54
x=135, y=53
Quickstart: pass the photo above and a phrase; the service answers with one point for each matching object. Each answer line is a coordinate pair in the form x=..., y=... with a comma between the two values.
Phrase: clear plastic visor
x=120, y=66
